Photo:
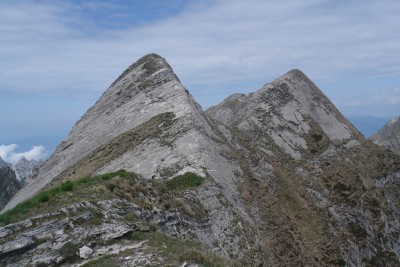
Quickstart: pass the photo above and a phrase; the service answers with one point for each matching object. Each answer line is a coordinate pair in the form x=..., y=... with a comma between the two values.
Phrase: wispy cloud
x=8, y=153
x=388, y=97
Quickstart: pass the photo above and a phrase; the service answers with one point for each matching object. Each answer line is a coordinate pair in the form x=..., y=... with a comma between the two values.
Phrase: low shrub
x=69, y=251
x=184, y=181
x=44, y=198
x=67, y=186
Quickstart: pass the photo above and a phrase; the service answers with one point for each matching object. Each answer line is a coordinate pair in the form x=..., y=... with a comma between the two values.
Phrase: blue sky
x=57, y=57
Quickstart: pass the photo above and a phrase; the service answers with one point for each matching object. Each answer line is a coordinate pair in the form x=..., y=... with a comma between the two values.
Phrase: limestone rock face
x=288, y=180
x=9, y=185
x=287, y=111
x=389, y=135
x=84, y=252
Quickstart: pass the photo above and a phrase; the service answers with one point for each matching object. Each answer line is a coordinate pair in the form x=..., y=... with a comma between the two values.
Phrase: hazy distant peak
x=389, y=135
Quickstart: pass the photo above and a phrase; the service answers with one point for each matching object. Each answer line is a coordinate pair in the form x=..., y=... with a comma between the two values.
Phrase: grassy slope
x=122, y=184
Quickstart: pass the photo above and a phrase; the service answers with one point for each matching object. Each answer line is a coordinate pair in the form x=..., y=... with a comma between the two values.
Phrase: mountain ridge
x=288, y=180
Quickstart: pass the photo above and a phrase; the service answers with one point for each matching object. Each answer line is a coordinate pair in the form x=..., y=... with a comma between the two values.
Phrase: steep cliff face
x=389, y=136
x=9, y=184
x=287, y=180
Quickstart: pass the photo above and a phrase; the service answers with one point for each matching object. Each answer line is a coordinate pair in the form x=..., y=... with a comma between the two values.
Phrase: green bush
x=67, y=186
x=69, y=251
x=120, y=173
x=184, y=181
x=44, y=198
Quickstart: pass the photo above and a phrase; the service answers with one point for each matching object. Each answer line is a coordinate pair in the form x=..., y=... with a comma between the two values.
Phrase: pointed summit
x=287, y=110
x=147, y=66
x=146, y=89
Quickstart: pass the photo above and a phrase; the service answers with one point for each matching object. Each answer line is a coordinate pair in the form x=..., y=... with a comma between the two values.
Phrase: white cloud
x=8, y=154
x=53, y=49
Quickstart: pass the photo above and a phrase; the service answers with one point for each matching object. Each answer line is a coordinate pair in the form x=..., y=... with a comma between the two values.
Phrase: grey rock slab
x=108, y=231
x=11, y=228
x=85, y=252
x=22, y=243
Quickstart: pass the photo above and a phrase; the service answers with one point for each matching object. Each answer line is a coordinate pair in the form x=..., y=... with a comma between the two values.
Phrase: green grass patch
x=184, y=181
x=67, y=186
x=65, y=193
x=69, y=252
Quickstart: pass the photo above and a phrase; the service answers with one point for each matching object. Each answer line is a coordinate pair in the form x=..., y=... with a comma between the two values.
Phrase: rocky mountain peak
x=288, y=111
x=277, y=177
x=296, y=73
x=147, y=66
x=25, y=168
x=146, y=89
x=389, y=135
x=22, y=160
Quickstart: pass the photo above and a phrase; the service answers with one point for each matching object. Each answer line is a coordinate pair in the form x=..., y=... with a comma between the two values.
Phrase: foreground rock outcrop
x=287, y=180
x=389, y=136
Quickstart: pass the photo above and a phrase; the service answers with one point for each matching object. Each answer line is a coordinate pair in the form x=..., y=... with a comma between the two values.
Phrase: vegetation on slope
x=184, y=181
x=146, y=194
x=94, y=188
